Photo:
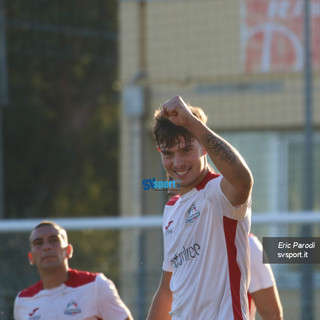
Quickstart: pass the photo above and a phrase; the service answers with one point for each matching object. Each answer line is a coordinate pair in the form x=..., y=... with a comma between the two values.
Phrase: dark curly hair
x=168, y=134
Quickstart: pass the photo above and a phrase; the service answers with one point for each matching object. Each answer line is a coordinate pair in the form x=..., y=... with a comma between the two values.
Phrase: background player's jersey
x=206, y=249
x=84, y=294
x=261, y=273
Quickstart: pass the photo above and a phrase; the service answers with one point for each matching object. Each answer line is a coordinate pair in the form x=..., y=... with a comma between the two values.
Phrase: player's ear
x=30, y=258
x=69, y=252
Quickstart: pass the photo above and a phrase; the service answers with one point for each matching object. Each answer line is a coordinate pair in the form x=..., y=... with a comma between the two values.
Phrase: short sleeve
x=261, y=274
x=215, y=195
x=16, y=308
x=109, y=304
x=166, y=265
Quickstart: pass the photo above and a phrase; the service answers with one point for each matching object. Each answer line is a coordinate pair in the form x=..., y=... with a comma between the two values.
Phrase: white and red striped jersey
x=83, y=295
x=206, y=249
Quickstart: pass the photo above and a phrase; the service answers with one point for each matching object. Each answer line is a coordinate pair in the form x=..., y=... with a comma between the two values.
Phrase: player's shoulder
x=253, y=239
x=209, y=178
x=31, y=291
x=255, y=246
x=79, y=278
x=173, y=200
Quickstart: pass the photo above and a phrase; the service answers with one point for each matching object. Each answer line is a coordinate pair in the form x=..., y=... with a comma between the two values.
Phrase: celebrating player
x=263, y=292
x=205, y=228
x=64, y=293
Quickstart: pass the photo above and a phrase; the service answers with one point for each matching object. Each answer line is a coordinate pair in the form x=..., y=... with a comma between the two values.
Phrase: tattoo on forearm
x=219, y=148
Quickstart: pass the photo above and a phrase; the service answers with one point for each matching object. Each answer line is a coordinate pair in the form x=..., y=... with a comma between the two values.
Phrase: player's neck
x=54, y=278
x=201, y=176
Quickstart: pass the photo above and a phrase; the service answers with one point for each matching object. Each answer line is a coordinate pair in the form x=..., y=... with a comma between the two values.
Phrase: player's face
x=49, y=248
x=185, y=162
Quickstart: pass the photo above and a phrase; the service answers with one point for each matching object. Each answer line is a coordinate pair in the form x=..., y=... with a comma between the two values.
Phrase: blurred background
x=79, y=83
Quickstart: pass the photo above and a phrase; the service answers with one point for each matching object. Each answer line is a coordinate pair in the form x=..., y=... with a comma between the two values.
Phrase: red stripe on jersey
x=230, y=228
x=31, y=291
x=79, y=278
x=76, y=279
x=173, y=200
x=209, y=176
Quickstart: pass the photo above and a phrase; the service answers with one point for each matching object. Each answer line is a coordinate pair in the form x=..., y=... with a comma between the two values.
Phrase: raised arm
x=237, y=179
x=162, y=301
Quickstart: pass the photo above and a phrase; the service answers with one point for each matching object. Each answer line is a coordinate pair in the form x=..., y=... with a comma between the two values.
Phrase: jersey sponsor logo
x=185, y=255
x=168, y=230
x=33, y=315
x=193, y=214
x=33, y=312
x=72, y=308
x=167, y=227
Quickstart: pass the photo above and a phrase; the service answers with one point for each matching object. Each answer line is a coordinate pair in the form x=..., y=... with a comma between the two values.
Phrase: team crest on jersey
x=193, y=214
x=72, y=308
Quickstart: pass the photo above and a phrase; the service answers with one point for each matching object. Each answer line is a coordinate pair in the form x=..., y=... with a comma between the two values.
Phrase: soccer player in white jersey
x=64, y=293
x=206, y=227
x=263, y=293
